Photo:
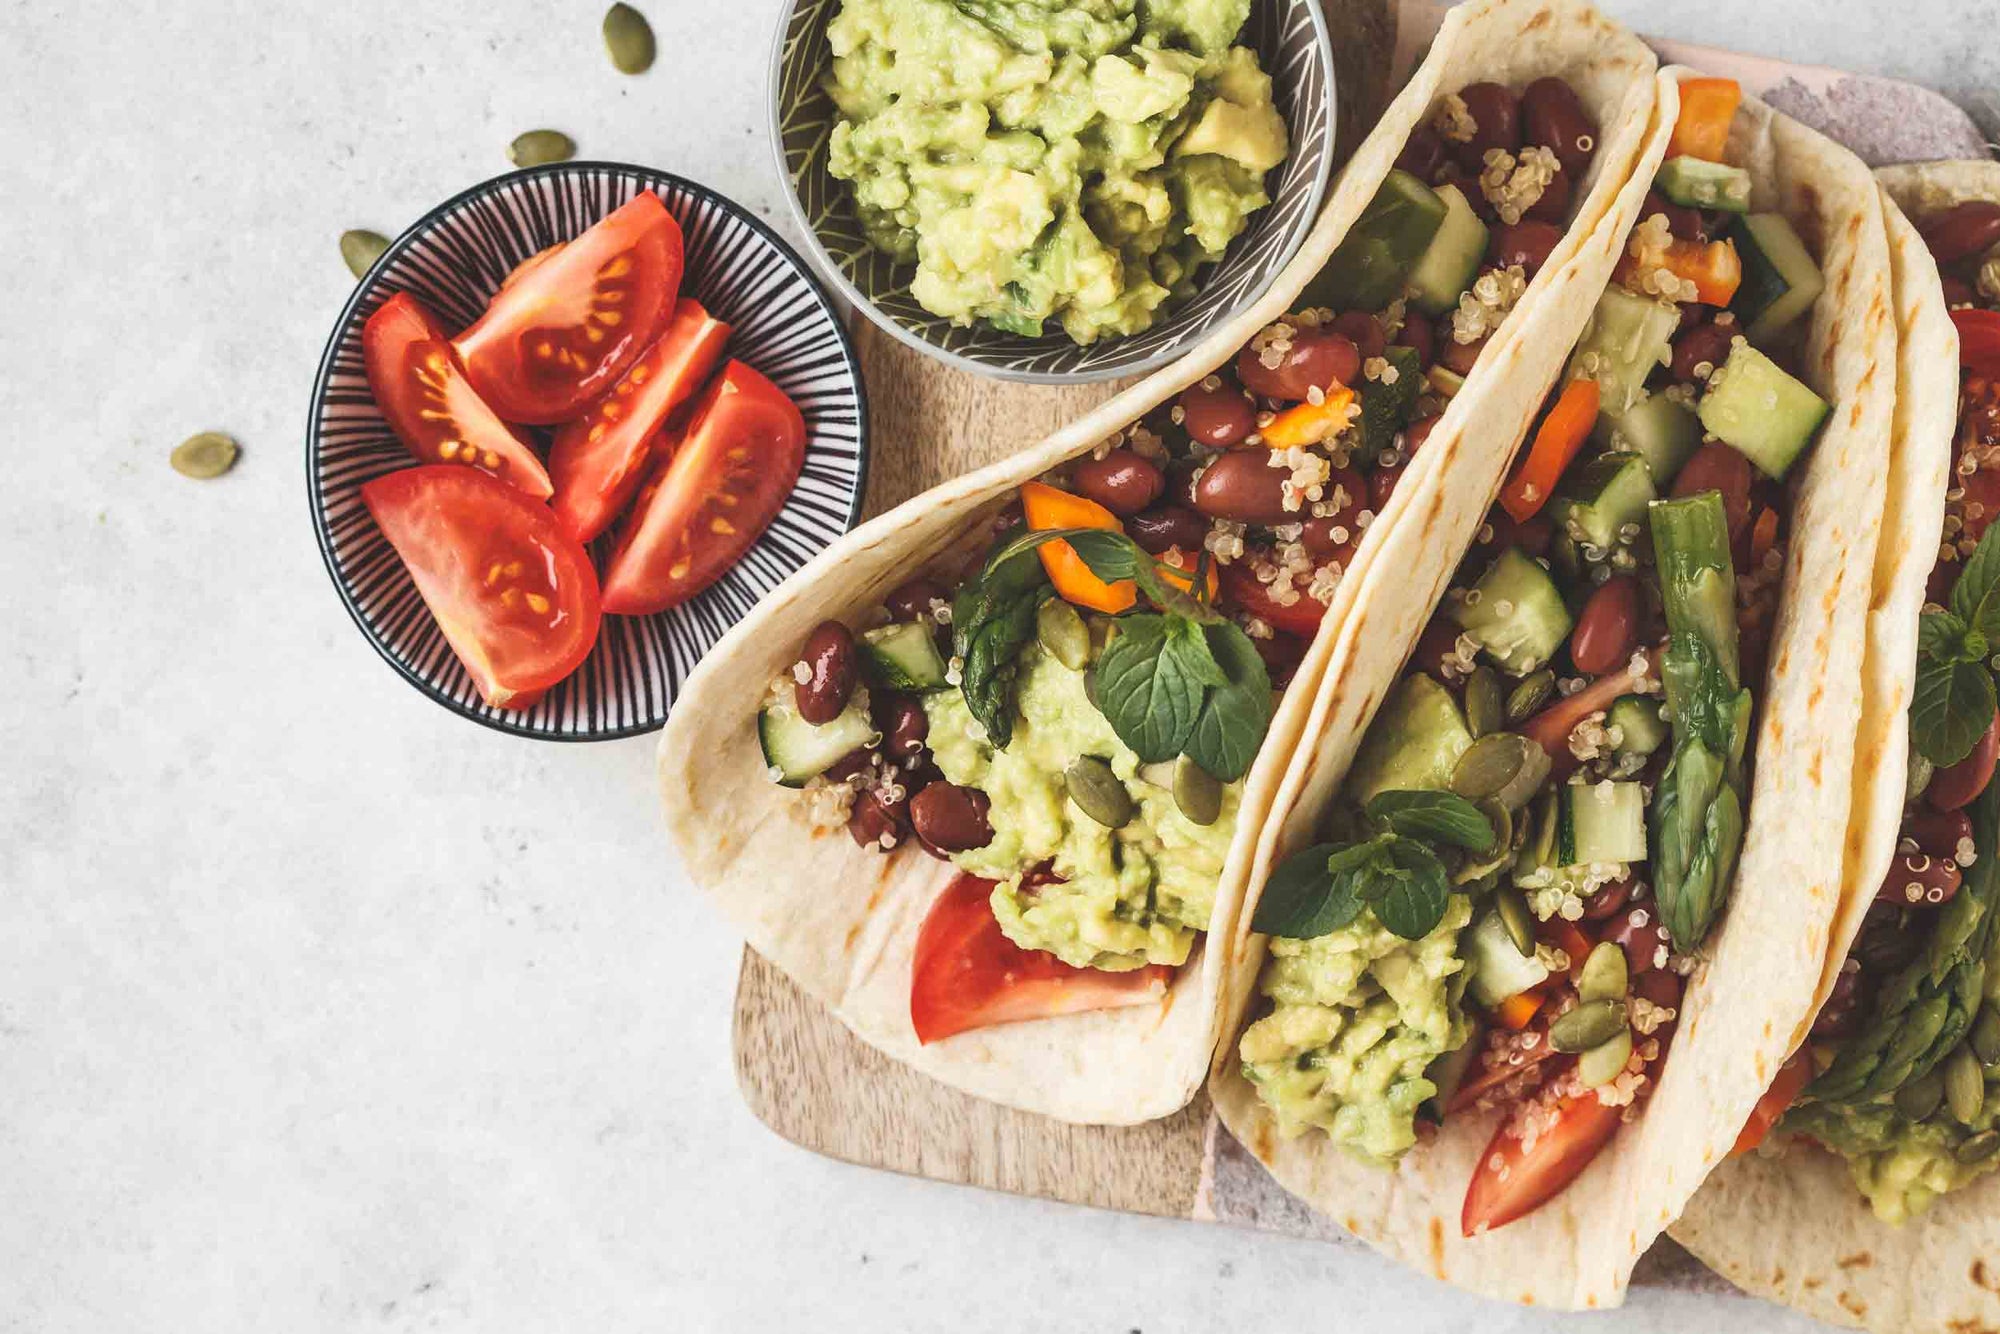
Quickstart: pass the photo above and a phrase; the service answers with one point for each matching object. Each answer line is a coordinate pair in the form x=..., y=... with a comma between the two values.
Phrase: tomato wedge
x=702, y=508
x=1978, y=340
x=570, y=321
x=1243, y=593
x=1511, y=1181
x=967, y=974
x=1791, y=1080
x=428, y=404
x=514, y=594
x=599, y=459
x=1551, y=727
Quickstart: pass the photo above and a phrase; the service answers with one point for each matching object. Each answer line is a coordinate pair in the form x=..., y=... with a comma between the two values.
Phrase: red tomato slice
x=1551, y=727
x=968, y=975
x=1978, y=340
x=1510, y=1182
x=599, y=459
x=701, y=509
x=1792, y=1077
x=1242, y=592
x=514, y=594
x=569, y=322
x=429, y=405
x=1486, y=1078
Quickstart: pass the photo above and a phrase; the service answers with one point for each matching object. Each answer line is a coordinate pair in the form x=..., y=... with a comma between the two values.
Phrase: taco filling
x=1541, y=825
x=1895, y=1071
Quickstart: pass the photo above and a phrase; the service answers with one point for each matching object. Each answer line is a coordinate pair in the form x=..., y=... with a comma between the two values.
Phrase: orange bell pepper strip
x=1309, y=423
x=1569, y=938
x=1707, y=108
x=1764, y=535
x=1047, y=507
x=1185, y=581
x=1520, y=1009
x=1791, y=1079
x=1714, y=267
x=1562, y=434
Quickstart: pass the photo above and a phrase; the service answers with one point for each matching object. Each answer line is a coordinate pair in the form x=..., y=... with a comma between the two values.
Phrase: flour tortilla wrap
x=1787, y=1222
x=842, y=922
x=1752, y=999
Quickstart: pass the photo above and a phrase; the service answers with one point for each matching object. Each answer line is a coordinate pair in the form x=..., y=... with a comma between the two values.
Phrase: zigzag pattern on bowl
x=454, y=260
x=1290, y=39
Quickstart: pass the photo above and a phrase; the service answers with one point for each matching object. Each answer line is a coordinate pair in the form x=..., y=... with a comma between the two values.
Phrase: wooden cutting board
x=806, y=1077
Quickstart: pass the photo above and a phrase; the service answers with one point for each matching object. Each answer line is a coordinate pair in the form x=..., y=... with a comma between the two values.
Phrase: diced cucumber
x=1642, y=729
x=1598, y=501
x=1451, y=261
x=1516, y=613
x=1385, y=408
x=1603, y=822
x=1764, y=413
x=903, y=656
x=1499, y=969
x=1780, y=279
x=1413, y=744
x=1696, y=183
x=1628, y=335
x=1660, y=429
x=1445, y=382
x=1373, y=263
x=796, y=750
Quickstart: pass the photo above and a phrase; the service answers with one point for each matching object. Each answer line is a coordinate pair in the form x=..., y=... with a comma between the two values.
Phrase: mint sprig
x=1396, y=872
x=1954, y=700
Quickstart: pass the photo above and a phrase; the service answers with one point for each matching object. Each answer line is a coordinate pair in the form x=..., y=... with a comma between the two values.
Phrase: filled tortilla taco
x=1864, y=1191
x=1544, y=902
x=987, y=776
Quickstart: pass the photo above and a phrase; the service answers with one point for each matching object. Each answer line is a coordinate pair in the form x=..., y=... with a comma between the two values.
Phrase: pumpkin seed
x=1604, y=974
x=1979, y=1148
x=538, y=148
x=1919, y=778
x=209, y=454
x=1514, y=915
x=1964, y=1086
x=1062, y=634
x=1591, y=1024
x=1197, y=792
x=1920, y=1097
x=1606, y=1061
x=1502, y=821
x=1159, y=775
x=1541, y=844
x=629, y=39
x=1098, y=793
x=1533, y=692
x=1986, y=1036
x=361, y=249
x=1488, y=766
x=1485, y=704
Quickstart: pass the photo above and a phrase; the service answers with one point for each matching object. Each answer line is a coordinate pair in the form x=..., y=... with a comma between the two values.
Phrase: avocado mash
x=1051, y=160
x=1900, y=1165
x=1129, y=896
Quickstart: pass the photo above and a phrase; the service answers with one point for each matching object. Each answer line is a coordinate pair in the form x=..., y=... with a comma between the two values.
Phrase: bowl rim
x=365, y=285
x=823, y=263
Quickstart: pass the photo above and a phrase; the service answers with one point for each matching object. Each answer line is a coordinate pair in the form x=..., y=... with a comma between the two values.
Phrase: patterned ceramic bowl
x=453, y=259
x=1290, y=37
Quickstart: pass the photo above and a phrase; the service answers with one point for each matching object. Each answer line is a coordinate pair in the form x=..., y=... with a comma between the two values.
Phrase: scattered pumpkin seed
x=629, y=39
x=1529, y=696
x=1098, y=793
x=1604, y=974
x=1503, y=766
x=1197, y=792
x=361, y=249
x=1541, y=844
x=1485, y=704
x=1062, y=634
x=1478, y=868
x=1606, y=1061
x=1920, y=1097
x=538, y=148
x=1919, y=777
x=1964, y=1086
x=209, y=454
x=1979, y=1148
x=1514, y=915
x=1591, y=1024
x=1986, y=1036
x=1160, y=775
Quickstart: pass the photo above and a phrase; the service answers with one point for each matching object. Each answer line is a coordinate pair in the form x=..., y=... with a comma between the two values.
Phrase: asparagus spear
x=1697, y=811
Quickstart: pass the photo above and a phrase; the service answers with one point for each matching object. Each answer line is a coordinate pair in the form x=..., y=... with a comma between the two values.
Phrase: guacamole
x=1900, y=1165
x=1069, y=161
x=1358, y=1016
x=1129, y=896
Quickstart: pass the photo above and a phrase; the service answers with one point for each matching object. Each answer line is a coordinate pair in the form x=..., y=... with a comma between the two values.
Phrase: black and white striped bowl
x=454, y=259
x=1292, y=43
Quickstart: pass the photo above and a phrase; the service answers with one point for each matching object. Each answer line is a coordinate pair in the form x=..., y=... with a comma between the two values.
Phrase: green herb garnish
x=1395, y=872
x=1954, y=700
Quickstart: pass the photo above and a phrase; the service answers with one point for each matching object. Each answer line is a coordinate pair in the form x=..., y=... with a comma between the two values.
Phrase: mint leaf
x=1975, y=598
x=1146, y=692
x=1301, y=901
x=1110, y=556
x=1940, y=635
x=1186, y=641
x=1953, y=705
x=1434, y=816
x=1417, y=891
x=1230, y=728
x=993, y=618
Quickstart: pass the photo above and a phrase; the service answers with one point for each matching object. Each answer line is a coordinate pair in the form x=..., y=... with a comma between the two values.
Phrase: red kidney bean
x=1840, y=1016
x=1335, y=536
x=1940, y=833
x=1956, y=785
x=1527, y=243
x=951, y=818
x=1422, y=153
x=1553, y=118
x=1661, y=986
x=832, y=663
x=1606, y=902
x=1282, y=654
x=1533, y=537
x=1958, y=292
x=1700, y=351
x=870, y=820
x=1639, y=933
x=1962, y=231
x=1244, y=488
x=1717, y=467
x=1437, y=645
x=853, y=764
x=1416, y=335
x=1607, y=627
x=1917, y=879
x=1167, y=526
x=1220, y=416
x=912, y=601
x=1552, y=204
x=1382, y=485
x=1363, y=330
x=1496, y=118
x=1121, y=481
x=1683, y=222
x=1454, y=355
x=1316, y=359
x=902, y=722
x=1417, y=432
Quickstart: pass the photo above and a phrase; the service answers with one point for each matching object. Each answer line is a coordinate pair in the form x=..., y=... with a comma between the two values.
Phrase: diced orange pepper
x=1185, y=582
x=1790, y=1081
x=1309, y=423
x=1764, y=535
x=1563, y=432
x=1707, y=108
x=1520, y=1009
x=1566, y=936
x=1714, y=267
x=1048, y=507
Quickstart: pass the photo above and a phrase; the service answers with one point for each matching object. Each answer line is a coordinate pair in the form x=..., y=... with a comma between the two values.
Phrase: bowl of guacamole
x=1053, y=191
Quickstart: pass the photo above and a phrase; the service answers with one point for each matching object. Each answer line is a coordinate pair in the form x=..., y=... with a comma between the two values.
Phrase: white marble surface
x=322, y=1009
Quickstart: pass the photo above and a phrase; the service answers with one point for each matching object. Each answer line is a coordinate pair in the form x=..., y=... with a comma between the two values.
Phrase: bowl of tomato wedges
x=571, y=426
